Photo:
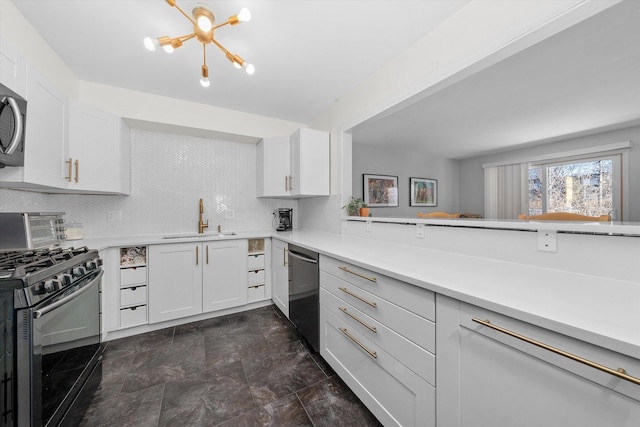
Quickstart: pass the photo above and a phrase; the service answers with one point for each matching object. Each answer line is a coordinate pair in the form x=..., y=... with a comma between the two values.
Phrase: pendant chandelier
x=203, y=30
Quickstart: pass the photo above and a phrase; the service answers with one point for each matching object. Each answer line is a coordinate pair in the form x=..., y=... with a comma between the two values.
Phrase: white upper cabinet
x=69, y=147
x=96, y=151
x=295, y=166
x=309, y=163
x=13, y=69
x=273, y=167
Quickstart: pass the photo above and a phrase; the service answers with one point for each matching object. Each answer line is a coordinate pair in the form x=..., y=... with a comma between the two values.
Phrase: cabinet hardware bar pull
x=255, y=286
x=362, y=322
x=371, y=279
x=286, y=183
x=77, y=170
x=197, y=255
x=620, y=372
x=207, y=254
x=70, y=163
x=362, y=346
x=346, y=291
x=284, y=257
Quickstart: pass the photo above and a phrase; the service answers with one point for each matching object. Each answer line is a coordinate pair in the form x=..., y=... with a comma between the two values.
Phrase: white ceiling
x=583, y=80
x=307, y=53
x=310, y=53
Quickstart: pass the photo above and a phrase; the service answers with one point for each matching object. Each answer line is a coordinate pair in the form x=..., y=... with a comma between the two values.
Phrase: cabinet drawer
x=133, y=316
x=413, y=298
x=256, y=277
x=412, y=356
x=256, y=293
x=255, y=261
x=134, y=295
x=404, y=322
x=133, y=276
x=394, y=393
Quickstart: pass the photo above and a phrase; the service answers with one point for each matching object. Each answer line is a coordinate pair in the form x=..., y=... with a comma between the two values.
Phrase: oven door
x=63, y=352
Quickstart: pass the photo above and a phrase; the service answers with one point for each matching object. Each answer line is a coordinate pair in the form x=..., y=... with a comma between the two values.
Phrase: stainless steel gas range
x=50, y=348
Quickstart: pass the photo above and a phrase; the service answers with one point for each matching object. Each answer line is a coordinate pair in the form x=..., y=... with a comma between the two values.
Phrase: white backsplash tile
x=169, y=173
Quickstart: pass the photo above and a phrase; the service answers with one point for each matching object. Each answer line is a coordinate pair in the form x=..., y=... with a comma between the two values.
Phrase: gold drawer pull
x=348, y=292
x=77, y=163
x=371, y=279
x=197, y=255
x=362, y=346
x=362, y=322
x=620, y=372
x=70, y=163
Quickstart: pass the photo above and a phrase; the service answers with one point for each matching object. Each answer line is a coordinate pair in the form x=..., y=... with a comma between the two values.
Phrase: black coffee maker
x=285, y=219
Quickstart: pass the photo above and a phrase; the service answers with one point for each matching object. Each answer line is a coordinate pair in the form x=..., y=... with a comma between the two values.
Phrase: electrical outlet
x=547, y=240
x=368, y=225
x=114, y=216
x=229, y=214
x=420, y=231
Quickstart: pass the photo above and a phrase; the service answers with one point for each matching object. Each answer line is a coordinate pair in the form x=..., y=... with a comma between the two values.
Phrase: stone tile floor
x=244, y=369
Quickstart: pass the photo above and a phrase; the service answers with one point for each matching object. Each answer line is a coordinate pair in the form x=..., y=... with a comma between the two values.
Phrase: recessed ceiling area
x=307, y=54
x=582, y=80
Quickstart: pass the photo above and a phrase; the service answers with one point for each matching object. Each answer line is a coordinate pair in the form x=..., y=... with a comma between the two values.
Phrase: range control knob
x=65, y=279
x=51, y=285
x=91, y=265
x=79, y=271
x=38, y=289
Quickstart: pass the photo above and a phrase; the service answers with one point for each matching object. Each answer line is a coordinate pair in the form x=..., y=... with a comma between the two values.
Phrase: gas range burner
x=29, y=261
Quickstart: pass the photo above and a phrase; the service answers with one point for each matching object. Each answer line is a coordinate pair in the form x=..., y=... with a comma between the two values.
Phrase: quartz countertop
x=600, y=310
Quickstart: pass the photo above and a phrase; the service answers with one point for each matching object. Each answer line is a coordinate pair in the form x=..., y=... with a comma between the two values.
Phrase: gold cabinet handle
x=197, y=253
x=348, y=292
x=371, y=279
x=362, y=322
x=70, y=165
x=362, y=346
x=284, y=257
x=77, y=170
x=286, y=183
x=620, y=372
x=290, y=182
x=207, y=254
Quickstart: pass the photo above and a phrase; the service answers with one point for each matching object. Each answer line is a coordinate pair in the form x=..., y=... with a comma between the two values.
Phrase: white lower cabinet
x=224, y=275
x=186, y=279
x=489, y=378
x=175, y=281
x=280, y=275
x=381, y=350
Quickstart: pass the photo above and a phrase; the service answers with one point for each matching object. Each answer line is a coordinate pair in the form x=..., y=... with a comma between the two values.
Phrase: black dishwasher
x=304, y=294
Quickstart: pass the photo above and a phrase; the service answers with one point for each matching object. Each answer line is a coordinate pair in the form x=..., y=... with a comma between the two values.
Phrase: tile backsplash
x=169, y=173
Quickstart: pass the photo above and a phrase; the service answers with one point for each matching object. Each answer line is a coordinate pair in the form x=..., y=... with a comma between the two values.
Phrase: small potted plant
x=364, y=209
x=353, y=207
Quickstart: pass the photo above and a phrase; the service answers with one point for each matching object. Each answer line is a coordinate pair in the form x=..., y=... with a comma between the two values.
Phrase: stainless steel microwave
x=13, y=116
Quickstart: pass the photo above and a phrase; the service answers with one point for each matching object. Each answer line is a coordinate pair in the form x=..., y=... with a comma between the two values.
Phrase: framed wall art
x=424, y=192
x=380, y=190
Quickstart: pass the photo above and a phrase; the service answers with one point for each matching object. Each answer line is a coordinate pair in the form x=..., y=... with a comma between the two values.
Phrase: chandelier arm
x=185, y=14
x=226, y=52
x=186, y=37
x=221, y=25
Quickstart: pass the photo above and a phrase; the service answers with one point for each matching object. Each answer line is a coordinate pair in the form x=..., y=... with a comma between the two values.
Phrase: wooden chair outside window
x=564, y=216
x=438, y=215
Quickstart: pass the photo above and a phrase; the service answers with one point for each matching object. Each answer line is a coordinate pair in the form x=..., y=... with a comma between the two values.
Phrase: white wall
x=169, y=173
x=406, y=164
x=472, y=173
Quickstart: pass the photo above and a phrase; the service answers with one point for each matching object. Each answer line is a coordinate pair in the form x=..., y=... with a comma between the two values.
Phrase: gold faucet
x=202, y=225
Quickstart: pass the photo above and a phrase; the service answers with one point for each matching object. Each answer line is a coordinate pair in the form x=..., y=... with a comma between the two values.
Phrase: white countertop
x=602, y=311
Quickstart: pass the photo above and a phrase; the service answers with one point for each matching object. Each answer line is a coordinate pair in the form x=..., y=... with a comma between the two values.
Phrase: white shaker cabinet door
x=273, y=167
x=175, y=281
x=224, y=274
x=280, y=275
x=489, y=378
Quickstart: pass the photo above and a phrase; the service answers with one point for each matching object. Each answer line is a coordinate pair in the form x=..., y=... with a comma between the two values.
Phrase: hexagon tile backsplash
x=169, y=174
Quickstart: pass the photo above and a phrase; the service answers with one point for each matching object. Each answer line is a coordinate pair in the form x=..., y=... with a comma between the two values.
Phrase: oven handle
x=47, y=309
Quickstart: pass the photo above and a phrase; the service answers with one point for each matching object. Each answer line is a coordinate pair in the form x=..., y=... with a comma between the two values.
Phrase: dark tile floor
x=244, y=369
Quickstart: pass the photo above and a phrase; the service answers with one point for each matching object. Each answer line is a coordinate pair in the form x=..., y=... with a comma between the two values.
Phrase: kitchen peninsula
x=580, y=294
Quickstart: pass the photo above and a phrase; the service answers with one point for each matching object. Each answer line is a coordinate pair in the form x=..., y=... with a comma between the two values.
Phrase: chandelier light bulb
x=204, y=81
x=249, y=68
x=168, y=48
x=151, y=44
x=204, y=23
x=244, y=15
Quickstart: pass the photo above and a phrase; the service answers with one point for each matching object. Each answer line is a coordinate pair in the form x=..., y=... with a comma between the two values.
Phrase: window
x=587, y=186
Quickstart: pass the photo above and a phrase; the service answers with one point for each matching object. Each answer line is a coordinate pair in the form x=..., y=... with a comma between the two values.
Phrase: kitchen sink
x=191, y=235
